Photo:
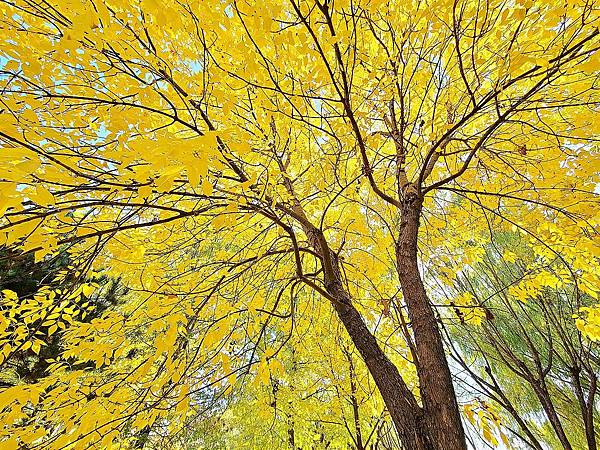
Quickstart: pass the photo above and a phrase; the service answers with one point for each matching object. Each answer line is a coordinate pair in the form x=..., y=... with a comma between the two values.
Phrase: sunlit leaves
x=588, y=322
x=175, y=146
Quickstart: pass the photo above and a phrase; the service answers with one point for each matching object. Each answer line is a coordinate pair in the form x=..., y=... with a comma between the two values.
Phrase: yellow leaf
x=43, y=196
x=207, y=188
x=10, y=444
x=9, y=295
x=36, y=346
x=145, y=191
x=591, y=65
x=87, y=289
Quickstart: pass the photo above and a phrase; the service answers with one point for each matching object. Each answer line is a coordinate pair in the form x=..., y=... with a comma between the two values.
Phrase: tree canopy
x=312, y=206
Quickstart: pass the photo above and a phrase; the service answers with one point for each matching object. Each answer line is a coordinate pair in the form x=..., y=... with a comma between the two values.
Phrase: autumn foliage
x=299, y=224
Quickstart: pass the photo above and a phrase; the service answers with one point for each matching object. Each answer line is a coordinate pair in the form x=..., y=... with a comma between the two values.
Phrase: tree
x=19, y=274
x=531, y=359
x=237, y=161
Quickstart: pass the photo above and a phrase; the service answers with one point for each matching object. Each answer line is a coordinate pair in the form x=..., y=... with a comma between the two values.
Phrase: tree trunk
x=589, y=415
x=438, y=425
x=586, y=406
x=540, y=389
x=437, y=392
x=399, y=400
x=291, y=434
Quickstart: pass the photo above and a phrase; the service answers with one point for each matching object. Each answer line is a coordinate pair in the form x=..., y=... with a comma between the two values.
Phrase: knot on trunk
x=409, y=193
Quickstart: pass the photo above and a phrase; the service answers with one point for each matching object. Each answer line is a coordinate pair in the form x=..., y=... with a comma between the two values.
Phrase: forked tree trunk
x=399, y=400
x=436, y=426
x=440, y=407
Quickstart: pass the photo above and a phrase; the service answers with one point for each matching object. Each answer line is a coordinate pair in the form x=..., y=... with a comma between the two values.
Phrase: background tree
x=21, y=278
x=521, y=346
x=236, y=162
x=320, y=397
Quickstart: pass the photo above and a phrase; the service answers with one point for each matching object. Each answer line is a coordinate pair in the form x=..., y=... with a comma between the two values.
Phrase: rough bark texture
x=436, y=425
x=437, y=391
x=404, y=410
x=589, y=415
x=541, y=391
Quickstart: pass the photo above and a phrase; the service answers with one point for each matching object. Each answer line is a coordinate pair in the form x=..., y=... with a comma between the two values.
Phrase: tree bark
x=403, y=408
x=437, y=391
x=540, y=389
x=436, y=426
x=586, y=406
x=291, y=435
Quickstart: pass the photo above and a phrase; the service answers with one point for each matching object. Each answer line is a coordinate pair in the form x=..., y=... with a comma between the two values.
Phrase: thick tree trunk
x=589, y=415
x=401, y=404
x=291, y=435
x=437, y=392
x=543, y=395
x=586, y=406
x=436, y=426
